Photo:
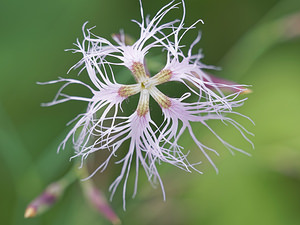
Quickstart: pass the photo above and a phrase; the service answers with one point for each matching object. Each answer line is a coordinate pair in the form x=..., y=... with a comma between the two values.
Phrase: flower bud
x=227, y=85
x=50, y=195
x=291, y=26
x=124, y=38
x=45, y=200
x=96, y=198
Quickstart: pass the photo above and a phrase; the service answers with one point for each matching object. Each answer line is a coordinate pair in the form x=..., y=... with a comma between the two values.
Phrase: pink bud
x=227, y=85
x=45, y=200
x=99, y=202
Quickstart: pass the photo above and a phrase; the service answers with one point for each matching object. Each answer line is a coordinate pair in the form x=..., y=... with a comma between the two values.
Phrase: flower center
x=146, y=86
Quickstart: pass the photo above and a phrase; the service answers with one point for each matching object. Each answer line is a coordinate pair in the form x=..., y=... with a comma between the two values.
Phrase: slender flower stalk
x=103, y=126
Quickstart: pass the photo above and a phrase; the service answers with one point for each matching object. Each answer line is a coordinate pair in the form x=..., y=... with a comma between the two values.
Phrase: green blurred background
x=255, y=42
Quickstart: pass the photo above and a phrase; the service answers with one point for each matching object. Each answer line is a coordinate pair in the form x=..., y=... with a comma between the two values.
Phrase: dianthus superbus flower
x=103, y=126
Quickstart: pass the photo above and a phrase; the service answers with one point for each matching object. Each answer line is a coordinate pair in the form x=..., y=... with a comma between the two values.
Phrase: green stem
x=70, y=177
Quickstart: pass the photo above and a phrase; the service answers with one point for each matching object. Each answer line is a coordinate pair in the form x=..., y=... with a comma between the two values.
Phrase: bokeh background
x=255, y=42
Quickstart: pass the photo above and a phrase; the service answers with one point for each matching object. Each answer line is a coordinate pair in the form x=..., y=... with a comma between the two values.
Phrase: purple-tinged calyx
x=97, y=199
x=45, y=200
x=226, y=85
x=50, y=195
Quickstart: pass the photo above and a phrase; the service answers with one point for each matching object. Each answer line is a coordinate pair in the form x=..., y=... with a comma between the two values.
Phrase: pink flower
x=103, y=128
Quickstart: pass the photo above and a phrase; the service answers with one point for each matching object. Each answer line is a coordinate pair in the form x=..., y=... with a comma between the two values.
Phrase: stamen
x=163, y=100
x=143, y=106
x=139, y=72
x=127, y=90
